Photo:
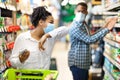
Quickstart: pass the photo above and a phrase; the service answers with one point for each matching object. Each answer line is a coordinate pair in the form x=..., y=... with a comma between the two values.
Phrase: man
x=79, y=57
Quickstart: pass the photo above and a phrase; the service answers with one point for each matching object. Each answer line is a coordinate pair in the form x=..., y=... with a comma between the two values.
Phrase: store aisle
x=60, y=53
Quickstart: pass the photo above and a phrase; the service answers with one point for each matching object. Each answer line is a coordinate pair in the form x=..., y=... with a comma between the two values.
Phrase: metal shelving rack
x=13, y=13
x=112, y=60
x=114, y=7
x=109, y=74
x=117, y=25
x=112, y=42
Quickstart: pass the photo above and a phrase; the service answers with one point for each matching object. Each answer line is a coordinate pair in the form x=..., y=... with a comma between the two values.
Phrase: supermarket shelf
x=7, y=6
x=5, y=32
x=112, y=60
x=108, y=73
x=113, y=6
x=2, y=5
x=117, y=25
x=94, y=26
x=111, y=42
x=110, y=13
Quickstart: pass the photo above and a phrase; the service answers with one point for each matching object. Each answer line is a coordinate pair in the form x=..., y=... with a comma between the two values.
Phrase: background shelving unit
x=117, y=25
x=14, y=19
x=8, y=23
x=112, y=44
x=108, y=74
x=112, y=60
x=113, y=7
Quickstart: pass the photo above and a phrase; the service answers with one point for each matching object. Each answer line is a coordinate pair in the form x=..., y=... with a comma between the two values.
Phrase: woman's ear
x=40, y=22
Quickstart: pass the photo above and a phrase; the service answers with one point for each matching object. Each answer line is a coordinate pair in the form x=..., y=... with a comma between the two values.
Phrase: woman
x=26, y=53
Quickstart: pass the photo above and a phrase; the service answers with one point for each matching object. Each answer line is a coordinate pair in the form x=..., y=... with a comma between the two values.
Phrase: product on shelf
x=109, y=3
x=9, y=28
x=106, y=77
x=6, y=25
x=13, y=28
x=115, y=72
x=1, y=22
x=1, y=57
x=10, y=45
x=118, y=59
x=111, y=36
x=8, y=64
x=8, y=33
x=107, y=64
x=107, y=48
x=112, y=69
x=112, y=43
x=118, y=16
x=117, y=56
x=118, y=37
x=112, y=51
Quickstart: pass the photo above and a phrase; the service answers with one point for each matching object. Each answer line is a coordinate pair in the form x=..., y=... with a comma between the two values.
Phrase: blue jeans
x=79, y=74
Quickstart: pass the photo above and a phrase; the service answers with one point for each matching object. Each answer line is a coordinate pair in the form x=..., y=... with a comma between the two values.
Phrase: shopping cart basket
x=20, y=74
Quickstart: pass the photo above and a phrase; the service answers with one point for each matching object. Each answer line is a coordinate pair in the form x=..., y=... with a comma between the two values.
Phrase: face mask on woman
x=49, y=28
x=80, y=17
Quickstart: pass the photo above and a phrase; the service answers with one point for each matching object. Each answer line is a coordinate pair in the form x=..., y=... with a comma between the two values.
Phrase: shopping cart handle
x=6, y=73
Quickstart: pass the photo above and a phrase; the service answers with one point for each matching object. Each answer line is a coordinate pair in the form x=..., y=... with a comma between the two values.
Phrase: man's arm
x=75, y=32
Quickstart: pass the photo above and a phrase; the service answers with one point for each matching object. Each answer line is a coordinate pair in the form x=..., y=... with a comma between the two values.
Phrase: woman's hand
x=24, y=56
x=42, y=41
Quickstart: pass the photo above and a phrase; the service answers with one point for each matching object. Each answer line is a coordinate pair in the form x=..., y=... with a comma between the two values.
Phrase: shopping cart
x=20, y=74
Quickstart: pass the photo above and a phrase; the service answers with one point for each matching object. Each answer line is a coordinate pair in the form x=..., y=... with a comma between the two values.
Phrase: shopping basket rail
x=40, y=74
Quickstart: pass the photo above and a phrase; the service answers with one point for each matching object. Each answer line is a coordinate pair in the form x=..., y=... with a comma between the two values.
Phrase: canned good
x=118, y=16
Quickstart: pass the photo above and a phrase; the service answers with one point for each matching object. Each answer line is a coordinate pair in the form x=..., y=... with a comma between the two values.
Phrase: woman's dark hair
x=48, y=13
x=39, y=13
x=82, y=4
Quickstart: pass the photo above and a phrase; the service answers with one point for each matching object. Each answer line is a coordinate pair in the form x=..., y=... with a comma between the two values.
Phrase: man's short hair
x=82, y=4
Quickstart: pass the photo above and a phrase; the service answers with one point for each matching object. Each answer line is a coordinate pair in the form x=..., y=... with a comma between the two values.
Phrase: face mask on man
x=80, y=17
x=49, y=28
